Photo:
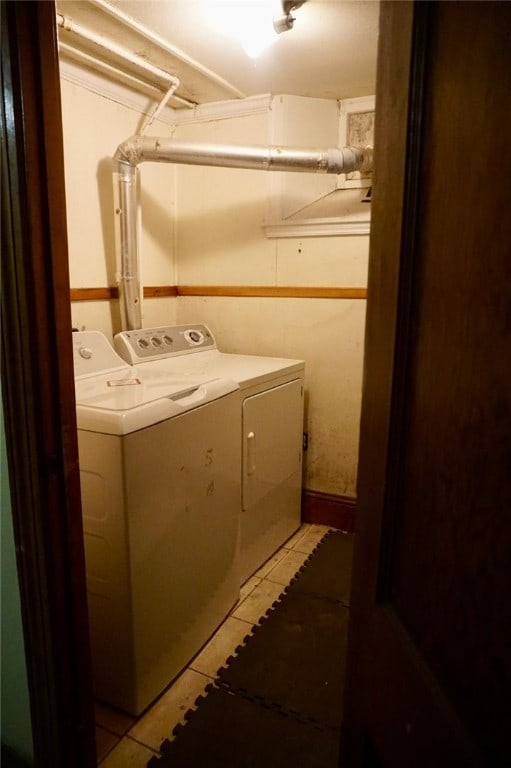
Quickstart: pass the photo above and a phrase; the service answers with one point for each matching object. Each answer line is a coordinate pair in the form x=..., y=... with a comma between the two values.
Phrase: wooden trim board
x=329, y=509
x=254, y=291
x=277, y=291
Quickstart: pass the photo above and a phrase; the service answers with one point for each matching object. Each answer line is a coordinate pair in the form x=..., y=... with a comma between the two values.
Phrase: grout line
x=246, y=621
x=109, y=730
x=200, y=672
x=142, y=744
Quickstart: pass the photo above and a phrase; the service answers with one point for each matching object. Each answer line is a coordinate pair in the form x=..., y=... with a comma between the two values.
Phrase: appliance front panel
x=272, y=426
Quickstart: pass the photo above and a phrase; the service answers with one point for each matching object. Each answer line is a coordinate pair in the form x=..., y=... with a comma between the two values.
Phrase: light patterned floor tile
x=287, y=568
x=311, y=539
x=270, y=563
x=128, y=754
x=246, y=589
x=289, y=544
x=221, y=646
x=157, y=724
x=258, y=602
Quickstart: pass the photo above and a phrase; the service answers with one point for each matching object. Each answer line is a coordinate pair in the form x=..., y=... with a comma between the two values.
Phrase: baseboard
x=329, y=509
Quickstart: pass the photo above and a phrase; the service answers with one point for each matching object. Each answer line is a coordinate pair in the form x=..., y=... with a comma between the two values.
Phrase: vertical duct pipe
x=126, y=242
x=138, y=149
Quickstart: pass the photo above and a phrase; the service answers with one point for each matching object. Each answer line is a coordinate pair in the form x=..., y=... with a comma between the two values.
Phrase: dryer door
x=272, y=440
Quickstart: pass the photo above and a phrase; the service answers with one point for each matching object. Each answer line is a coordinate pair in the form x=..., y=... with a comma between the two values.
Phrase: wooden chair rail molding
x=260, y=291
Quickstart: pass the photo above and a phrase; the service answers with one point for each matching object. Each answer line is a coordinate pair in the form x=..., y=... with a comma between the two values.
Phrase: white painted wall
x=328, y=334
x=219, y=240
x=93, y=128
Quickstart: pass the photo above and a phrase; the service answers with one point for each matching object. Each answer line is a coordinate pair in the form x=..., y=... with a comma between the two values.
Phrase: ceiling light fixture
x=285, y=21
x=256, y=24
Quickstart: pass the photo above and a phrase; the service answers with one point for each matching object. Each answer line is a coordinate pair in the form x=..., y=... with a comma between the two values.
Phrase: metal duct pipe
x=128, y=262
x=138, y=149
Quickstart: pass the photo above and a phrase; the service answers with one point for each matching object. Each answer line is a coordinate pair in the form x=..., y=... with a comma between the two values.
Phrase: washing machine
x=160, y=483
x=271, y=396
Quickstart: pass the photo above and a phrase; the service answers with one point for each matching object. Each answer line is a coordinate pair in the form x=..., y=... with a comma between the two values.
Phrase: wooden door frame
x=390, y=209
x=38, y=391
x=400, y=695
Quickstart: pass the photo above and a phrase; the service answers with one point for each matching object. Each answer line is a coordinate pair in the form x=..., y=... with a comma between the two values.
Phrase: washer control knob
x=194, y=337
x=85, y=352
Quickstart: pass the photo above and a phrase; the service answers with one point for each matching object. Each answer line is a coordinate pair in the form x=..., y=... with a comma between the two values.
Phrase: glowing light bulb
x=258, y=33
x=248, y=21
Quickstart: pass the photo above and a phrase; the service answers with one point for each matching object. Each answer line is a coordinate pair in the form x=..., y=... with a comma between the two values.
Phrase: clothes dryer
x=271, y=397
x=160, y=479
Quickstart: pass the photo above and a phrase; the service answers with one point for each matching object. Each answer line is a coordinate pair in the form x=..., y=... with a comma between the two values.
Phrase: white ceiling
x=329, y=53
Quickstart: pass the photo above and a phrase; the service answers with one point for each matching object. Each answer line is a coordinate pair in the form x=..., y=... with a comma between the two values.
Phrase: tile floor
x=123, y=741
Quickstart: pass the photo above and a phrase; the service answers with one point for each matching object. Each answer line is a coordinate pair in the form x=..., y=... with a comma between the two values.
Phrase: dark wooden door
x=429, y=665
x=38, y=390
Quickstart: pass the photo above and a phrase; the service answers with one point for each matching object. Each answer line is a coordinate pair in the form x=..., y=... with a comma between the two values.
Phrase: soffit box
x=316, y=205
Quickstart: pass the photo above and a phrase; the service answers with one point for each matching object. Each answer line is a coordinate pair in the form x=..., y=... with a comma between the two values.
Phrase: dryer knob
x=194, y=337
x=85, y=352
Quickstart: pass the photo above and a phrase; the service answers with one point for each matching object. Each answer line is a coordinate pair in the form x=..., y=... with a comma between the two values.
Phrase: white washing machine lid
x=117, y=399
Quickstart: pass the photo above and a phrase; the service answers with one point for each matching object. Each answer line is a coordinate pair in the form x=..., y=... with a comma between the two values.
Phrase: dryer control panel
x=165, y=341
